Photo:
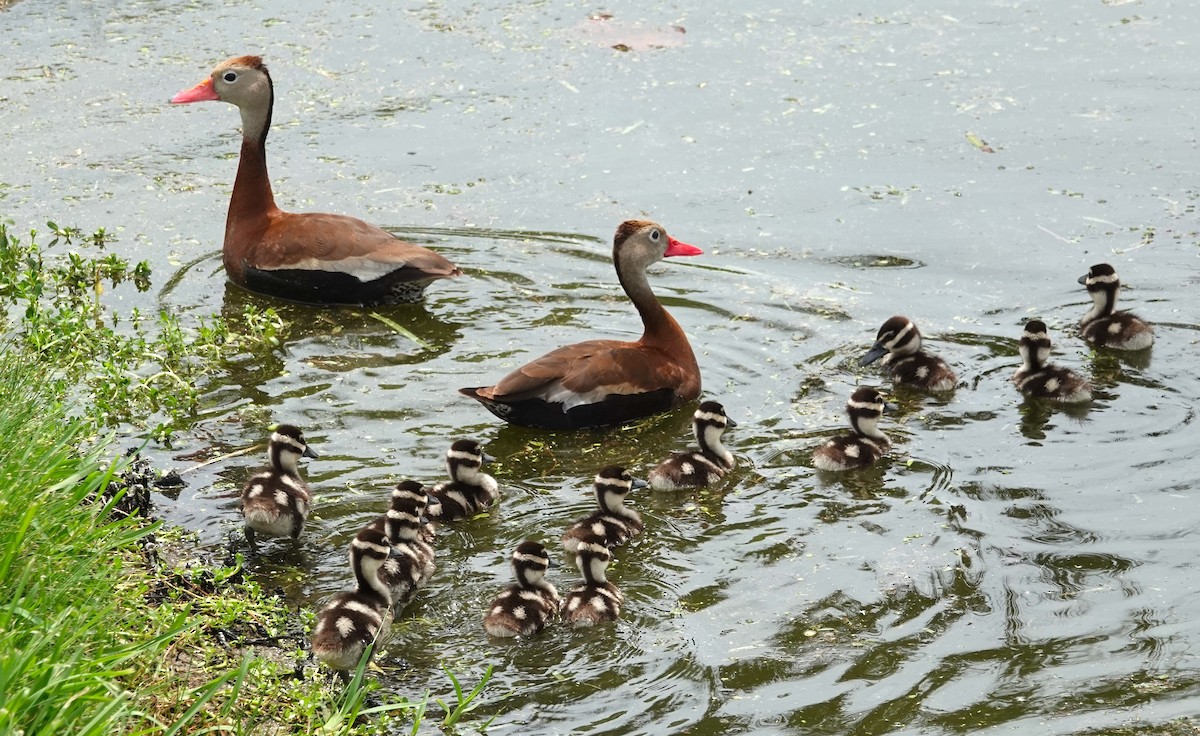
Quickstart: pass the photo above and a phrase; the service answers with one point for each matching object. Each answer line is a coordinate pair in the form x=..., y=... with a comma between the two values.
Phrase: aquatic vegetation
x=138, y=369
x=101, y=634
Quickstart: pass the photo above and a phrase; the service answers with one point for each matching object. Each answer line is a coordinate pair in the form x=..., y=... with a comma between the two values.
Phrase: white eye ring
x=229, y=76
x=654, y=234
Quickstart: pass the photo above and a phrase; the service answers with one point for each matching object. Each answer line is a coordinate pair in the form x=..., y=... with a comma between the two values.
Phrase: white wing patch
x=360, y=267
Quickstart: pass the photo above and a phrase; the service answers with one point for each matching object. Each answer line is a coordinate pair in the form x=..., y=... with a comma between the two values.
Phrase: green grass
x=62, y=645
x=94, y=642
x=94, y=639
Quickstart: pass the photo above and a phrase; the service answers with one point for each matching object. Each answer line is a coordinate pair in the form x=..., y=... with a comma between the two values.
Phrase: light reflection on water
x=988, y=561
x=1014, y=567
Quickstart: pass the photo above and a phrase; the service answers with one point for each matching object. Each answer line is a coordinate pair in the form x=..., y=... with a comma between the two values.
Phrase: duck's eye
x=229, y=76
x=654, y=235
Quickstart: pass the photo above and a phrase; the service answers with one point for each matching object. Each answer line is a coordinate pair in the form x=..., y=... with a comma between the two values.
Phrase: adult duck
x=305, y=257
x=607, y=382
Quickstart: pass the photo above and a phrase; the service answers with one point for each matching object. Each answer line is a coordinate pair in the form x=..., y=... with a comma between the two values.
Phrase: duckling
x=597, y=600
x=866, y=444
x=703, y=466
x=613, y=524
x=469, y=490
x=526, y=607
x=1041, y=380
x=1104, y=327
x=899, y=344
x=353, y=620
x=275, y=500
x=410, y=562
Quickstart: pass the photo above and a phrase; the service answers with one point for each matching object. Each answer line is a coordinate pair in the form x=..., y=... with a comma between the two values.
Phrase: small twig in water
x=1056, y=235
x=221, y=458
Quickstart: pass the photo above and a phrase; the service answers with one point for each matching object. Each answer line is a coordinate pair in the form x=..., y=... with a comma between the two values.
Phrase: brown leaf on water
x=605, y=29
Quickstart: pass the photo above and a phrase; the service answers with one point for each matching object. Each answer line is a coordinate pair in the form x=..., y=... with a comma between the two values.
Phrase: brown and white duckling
x=275, y=500
x=355, y=619
x=469, y=490
x=526, y=607
x=597, y=600
x=614, y=523
x=703, y=466
x=899, y=344
x=410, y=562
x=1103, y=326
x=866, y=444
x=1040, y=379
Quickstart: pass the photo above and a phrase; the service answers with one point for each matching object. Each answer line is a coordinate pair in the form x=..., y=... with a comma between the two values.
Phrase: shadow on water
x=932, y=588
x=1010, y=568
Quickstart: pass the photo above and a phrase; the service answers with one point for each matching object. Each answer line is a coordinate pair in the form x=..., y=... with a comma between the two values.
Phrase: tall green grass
x=81, y=649
x=64, y=644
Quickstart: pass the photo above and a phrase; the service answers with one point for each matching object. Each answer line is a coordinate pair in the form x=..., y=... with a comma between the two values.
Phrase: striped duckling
x=703, y=466
x=865, y=444
x=410, y=562
x=613, y=523
x=597, y=600
x=1103, y=326
x=1041, y=380
x=355, y=619
x=275, y=500
x=899, y=344
x=469, y=490
x=526, y=607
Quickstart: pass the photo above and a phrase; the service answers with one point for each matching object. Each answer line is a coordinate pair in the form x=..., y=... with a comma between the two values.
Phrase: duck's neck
x=593, y=569
x=1104, y=301
x=612, y=502
x=1033, y=356
x=708, y=437
x=531, y=579
x=282, y=460
x=868, y=427
x=402, y=527
x=366, y=562
x=252, y=202
x=659, y=328
x=466, y=474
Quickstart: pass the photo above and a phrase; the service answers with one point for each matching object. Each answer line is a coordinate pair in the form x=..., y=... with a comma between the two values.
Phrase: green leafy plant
x=141, y=370
x=465, y=703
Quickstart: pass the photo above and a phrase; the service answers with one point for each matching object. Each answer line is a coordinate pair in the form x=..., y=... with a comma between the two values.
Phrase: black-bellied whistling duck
x=305, y=257
x=469, y=490
x=354, y=620
x=526, y=607
x=1103, y=326
x=865, y=444
x=275, y=500
x=613, y=523
x=703, y=466
x=898, y=342
x=597, y=600
x=411, y=560
x=607, y=382
x=1038, y=378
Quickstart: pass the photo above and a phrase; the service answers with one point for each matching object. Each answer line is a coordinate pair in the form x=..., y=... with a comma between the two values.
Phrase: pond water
x=1012, y=568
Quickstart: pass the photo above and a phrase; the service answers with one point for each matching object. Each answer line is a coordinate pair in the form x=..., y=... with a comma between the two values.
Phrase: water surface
x=1012, y=569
